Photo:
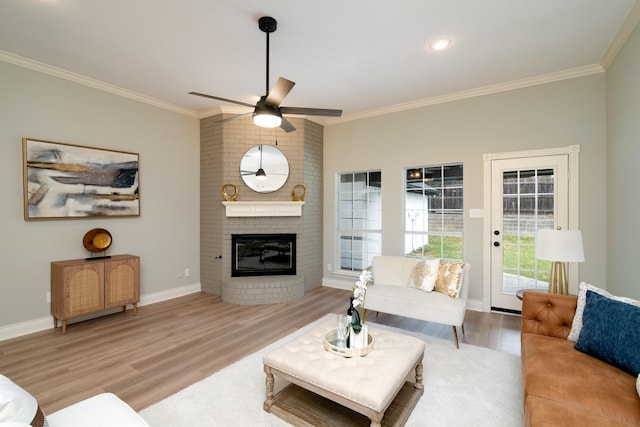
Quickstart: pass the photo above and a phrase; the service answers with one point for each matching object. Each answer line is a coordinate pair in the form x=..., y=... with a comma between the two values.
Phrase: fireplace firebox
x=263, y=254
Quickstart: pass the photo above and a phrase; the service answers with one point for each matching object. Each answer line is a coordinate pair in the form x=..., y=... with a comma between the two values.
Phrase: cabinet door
x=83, y=289
x=121, y=282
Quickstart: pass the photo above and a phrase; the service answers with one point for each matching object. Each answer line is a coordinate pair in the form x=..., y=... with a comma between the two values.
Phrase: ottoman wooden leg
x=418, y=383
x=269, y=388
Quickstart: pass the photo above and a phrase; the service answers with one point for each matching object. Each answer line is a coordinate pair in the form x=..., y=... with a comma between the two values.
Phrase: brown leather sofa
x=563, y=386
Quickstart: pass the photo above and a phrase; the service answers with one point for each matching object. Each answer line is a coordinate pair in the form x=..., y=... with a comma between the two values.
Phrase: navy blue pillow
x=611, y=332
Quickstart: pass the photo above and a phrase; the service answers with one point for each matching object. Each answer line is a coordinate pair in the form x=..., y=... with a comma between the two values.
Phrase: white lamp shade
x=560, y=245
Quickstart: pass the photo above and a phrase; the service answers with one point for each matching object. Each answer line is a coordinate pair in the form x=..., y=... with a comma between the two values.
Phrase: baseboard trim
x=169, y=294
x=24, y=328
x=346, y=284
x=44, y=323
x=474, y=305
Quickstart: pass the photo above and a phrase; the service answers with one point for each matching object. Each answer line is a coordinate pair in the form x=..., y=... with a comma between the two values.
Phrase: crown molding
x=472, y=93
x=226, y=109
x=630, y=23
x=96, y=84
x=628, y=26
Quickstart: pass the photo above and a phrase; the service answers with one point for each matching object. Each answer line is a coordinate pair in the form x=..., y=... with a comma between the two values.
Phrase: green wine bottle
x=356, y=324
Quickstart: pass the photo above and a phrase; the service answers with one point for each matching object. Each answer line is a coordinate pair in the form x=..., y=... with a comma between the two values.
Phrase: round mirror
x=264, y=168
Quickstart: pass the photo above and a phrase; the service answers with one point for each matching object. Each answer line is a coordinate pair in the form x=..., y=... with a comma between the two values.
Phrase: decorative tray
x=331, y=345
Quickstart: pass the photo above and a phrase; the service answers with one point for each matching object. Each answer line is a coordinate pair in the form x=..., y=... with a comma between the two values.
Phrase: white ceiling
x=363, y=56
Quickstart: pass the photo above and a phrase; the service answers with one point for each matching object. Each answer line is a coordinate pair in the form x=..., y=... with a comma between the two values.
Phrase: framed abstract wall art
x=67, y=181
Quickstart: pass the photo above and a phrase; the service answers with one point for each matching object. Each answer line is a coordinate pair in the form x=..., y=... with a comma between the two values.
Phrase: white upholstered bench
x=391, y=293
x=367, y=385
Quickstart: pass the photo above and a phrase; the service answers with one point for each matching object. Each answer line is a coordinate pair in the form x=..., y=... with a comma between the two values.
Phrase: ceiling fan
x=267, y=111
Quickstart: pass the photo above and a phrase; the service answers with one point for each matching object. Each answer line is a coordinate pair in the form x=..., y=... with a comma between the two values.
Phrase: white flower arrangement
x=360, y=290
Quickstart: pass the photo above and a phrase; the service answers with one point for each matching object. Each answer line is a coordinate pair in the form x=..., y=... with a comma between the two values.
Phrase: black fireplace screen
x=263, y=254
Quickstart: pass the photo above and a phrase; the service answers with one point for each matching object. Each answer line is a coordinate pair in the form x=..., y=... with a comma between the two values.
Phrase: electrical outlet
x=328, y=267
x=187, y=272
x=48, y=297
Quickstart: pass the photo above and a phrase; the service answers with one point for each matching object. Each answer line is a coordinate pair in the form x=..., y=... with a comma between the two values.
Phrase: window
x=359, y=219
x=433, y=211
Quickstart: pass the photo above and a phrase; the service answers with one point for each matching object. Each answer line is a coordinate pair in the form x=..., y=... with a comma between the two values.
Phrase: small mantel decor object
x=229, y=192
x=358, y=332
x=97, y=240
x=298, y=193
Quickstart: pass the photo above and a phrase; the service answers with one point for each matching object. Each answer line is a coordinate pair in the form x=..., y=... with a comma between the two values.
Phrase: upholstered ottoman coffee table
x=328, y=389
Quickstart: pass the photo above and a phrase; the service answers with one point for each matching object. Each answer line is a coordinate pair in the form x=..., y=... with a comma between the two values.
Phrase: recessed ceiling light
x=440, y=44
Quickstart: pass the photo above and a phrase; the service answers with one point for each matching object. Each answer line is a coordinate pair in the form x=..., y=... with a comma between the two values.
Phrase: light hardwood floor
x=172, y=344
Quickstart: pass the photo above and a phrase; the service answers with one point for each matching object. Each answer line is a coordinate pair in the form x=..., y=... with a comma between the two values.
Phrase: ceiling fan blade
x=311, y=111
x=279, y=91
x=287, y=126
x=204, y=95
x=239, y=116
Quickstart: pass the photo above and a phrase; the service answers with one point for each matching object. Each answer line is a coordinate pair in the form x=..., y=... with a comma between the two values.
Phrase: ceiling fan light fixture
x=266, y=119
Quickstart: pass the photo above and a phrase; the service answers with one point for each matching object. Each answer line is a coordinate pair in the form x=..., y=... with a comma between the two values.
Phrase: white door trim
x=572, y=151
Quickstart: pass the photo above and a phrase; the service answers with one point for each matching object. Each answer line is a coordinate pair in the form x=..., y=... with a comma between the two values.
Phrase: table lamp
x=560, y=247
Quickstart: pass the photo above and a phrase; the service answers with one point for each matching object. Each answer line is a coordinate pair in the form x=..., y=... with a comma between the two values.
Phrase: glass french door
x=527, y=194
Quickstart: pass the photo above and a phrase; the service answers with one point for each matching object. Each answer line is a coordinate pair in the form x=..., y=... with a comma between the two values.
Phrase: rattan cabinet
x=81, y=287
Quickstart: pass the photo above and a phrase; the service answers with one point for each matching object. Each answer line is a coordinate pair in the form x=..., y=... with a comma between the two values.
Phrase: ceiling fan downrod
x=267, y=112
x=268, y=25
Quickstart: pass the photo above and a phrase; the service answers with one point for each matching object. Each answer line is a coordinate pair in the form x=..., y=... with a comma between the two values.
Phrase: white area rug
x=472, y=386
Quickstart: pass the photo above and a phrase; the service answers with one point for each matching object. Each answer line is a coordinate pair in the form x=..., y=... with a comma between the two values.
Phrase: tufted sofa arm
x=547, y=314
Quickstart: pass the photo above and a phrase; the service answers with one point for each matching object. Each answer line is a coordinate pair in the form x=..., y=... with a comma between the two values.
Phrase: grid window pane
x=434, y=211
x=359, y=219
x=528, y=207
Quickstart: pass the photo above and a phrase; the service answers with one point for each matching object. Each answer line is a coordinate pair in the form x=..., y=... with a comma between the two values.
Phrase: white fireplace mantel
x=253, y=209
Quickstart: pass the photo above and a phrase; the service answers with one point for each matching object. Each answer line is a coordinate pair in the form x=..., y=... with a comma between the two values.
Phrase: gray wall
x=165, y=236
x=623, y=154
x=546, y=116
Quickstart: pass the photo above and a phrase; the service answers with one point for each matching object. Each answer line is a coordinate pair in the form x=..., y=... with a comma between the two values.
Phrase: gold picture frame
x=68, y=181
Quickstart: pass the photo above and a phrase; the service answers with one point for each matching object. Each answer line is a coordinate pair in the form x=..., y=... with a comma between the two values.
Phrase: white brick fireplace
x=222, y=146
x=261, y=289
